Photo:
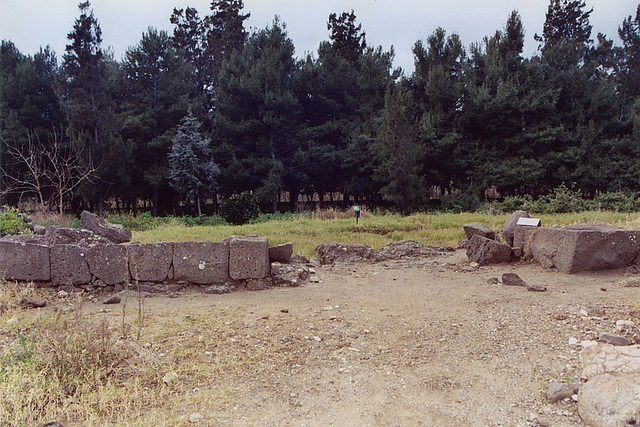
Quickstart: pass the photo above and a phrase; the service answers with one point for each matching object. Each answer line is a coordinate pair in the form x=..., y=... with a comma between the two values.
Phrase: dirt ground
x=412, y=342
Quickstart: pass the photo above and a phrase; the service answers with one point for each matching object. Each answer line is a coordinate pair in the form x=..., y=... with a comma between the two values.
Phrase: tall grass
x=374, y=230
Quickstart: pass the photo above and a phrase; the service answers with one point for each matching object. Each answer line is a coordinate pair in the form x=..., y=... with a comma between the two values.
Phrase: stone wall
x=237, y=260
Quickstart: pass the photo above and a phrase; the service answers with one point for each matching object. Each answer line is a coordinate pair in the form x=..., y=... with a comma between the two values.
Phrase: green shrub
x=144, y=221
x=208, y=221
x=617, y=202
x=239, y=209
x=11, y=221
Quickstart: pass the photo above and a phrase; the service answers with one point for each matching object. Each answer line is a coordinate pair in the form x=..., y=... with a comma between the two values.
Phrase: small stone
x=574, y=397
x=594, y=311
x=493, y=281
x=532, y=287
x=327, y=308
x=614, y=339
x=474, y=265
x=12, y=321
x=195, y=418
x=169, y=378
x=559, y=391
x=560, y=316
x=587, y=344
x=282, y=310
x=68, y=308
x=573, y=341
x=52, y=424
x=512, y=279
x=115, y=299
x=62, y=294
x=32, y=303
x=583, y=312
x=544, y=422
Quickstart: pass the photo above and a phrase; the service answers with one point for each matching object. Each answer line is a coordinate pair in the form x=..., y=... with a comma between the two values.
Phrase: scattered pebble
x=62, y=294
x=282, y=310
x=573, y=341
x=169, y=378
x=12, y=321
x=195, y=418
x=535, y=288
x=493, y=281
x=32, y=303
x=559, y=391
x=625, y=323
x=512, y=279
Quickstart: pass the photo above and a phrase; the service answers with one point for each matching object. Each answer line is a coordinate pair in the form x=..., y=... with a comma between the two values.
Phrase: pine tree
x=193, y=174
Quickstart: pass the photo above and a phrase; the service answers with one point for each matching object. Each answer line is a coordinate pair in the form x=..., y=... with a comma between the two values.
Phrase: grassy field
x=375, y=231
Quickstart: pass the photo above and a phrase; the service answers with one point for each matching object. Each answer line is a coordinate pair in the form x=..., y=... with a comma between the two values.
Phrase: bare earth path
x=412, y=342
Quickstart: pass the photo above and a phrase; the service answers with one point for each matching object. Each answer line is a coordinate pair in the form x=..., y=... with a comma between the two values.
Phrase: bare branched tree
x=50, y=169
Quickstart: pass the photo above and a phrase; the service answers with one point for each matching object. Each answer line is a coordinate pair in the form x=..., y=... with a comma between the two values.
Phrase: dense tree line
x=212, y=110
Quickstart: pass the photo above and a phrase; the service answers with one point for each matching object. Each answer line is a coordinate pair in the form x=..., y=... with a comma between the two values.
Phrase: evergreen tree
x=90, y=82
x=158, y=86
x=193, y=173
x=400, y=153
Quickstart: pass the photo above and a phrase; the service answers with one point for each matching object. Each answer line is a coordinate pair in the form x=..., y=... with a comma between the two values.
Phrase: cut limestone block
x=150, y=263
x=201, y=262
x=248, y=258
x=69, y=265
x=24, y=262
x=585, y=247
x=108, y=263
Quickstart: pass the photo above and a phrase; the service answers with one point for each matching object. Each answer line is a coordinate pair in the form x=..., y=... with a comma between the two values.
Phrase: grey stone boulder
x=150, y=262
x=512, y=279
x=329, y=253
x=201, y=262
x=476, y=228
x=69, y=265
x=585, y=247
x=73, y=236
x=289, y=275
x=24, y=262
x=108, y=263
x=405, y=249
x=508, y=231
x=281, y=253
x=114, y=232
x=610, y=401
x=486, y=251
x=248, y=258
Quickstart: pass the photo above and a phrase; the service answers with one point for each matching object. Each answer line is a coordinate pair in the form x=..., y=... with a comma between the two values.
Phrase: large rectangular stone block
x=24, y=262
x=69, y=265
x=248, y=258
x=585, y=247
x=150, y=263
x=201, y=262
x=108, y=263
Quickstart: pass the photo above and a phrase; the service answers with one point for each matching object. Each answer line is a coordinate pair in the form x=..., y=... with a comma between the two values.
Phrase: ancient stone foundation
x=236, y=260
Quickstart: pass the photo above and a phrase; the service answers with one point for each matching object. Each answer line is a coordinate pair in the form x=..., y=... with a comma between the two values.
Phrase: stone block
x=510, y=225
x=69, y=265
x=201, y=262
x=248, y=258
x=476, y=228
x=486, y=251
x=116, y=233
x=24, y=262
x=150, y=263
x=108, y=263
x=585, y=247
x=281, y=253
x=522, y=235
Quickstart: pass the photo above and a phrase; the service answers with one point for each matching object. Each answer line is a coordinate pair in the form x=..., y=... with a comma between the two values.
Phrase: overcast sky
x=34, y=23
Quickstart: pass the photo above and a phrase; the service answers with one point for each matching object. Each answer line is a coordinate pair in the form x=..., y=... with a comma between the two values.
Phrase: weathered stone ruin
x=581, y=247
x=92, y=259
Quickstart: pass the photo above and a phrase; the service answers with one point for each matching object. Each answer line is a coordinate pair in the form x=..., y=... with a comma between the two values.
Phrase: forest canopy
x=212, y=110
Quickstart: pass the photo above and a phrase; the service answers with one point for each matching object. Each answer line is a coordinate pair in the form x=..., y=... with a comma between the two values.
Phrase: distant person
x=356, y=209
